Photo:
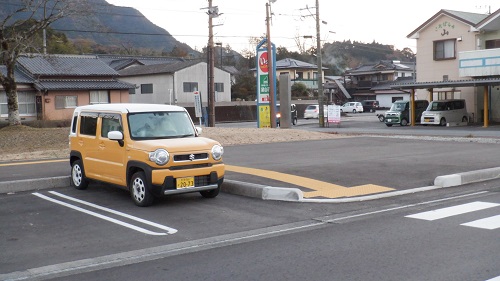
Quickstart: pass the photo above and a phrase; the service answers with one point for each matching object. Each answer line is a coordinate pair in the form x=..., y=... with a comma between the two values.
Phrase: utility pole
x=211, y=85
x=270, y=68
x=320, y=70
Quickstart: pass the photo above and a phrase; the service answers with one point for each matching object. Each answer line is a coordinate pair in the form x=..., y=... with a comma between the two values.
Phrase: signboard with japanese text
x=333, y=113
x=263, y=84
x=197, y=104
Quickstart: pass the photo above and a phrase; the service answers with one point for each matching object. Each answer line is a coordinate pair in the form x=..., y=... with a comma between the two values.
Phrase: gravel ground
x=26, y=143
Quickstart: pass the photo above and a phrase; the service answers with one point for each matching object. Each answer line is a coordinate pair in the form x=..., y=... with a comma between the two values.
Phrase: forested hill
x=111, y=26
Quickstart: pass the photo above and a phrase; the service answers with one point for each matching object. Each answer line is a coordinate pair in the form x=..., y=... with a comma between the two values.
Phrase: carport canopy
x=486, y=83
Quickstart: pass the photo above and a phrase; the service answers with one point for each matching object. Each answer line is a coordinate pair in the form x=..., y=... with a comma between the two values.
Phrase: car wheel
x=78, y=179
x=381, y=118
x=388, y=125
x=404, y=122
x=442, y=122
x=354, y=111
x=139, y=190
x=214, y=192
x=465, y=119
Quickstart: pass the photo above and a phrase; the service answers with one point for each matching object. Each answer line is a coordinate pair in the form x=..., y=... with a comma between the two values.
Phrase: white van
x=442, y=112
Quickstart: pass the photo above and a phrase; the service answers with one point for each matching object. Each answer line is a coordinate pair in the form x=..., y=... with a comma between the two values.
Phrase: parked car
x=370, y=105
x=400, y=112
x=150, y=149
x=312, y=111
x=293, y=114
x=442, y=112
x=353, y=107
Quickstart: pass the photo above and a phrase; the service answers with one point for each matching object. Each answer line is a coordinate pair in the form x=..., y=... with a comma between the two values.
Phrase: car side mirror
x=199, y=130
x=117, y=136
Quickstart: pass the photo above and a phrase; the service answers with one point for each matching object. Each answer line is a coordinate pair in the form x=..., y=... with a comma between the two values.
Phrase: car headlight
x=159, y=156
x=217, y=152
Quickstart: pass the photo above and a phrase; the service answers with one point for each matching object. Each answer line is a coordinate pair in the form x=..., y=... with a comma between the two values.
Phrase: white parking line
x=160, y=226
x=140, y=229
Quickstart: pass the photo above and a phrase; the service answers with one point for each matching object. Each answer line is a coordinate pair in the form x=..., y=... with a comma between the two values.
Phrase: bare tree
x=17, y=31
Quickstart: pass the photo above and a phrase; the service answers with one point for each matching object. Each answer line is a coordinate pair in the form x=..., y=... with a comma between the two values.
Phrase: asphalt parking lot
x=372, y=162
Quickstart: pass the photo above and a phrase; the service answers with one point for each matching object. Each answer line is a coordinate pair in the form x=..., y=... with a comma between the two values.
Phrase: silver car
x=353, y=107
x=312, y=111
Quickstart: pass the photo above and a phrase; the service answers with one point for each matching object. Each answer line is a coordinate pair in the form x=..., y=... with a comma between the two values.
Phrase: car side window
x=88, y=124
x=110, y=122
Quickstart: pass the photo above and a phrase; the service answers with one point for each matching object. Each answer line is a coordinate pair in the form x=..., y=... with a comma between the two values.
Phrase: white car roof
x=129, y=107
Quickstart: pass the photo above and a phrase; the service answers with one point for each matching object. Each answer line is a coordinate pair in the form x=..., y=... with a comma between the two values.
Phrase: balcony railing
x=479, y=63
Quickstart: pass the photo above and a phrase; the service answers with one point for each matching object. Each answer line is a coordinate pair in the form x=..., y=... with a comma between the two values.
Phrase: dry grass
x=23, y=142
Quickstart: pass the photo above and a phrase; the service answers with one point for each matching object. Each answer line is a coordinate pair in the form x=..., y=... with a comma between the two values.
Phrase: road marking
x=140, y=229
x=160, y=226
x=33, y=162
x=453, y=211
x=486, y=223
x=494, y=279
x=163, y=251
x=320, y=188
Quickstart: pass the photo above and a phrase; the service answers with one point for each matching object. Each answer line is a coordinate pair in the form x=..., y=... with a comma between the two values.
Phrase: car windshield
x=398, y=106
x=160, y=125
x=311, y=107
x=437, y=106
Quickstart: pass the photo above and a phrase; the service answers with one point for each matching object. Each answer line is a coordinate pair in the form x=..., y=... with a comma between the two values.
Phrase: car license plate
x=427, y=120
x=389, y=120
x=185, y=182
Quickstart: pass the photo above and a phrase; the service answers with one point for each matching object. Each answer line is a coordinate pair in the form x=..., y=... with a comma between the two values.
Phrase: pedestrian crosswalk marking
x=453, y=211
x=486, y=223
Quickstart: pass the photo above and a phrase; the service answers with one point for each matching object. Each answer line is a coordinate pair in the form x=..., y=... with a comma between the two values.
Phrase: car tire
x=388, y=125
x=354, y=111
x=139, y=190
x=78, y=179
x=381, y=118
x=214, y=192
x=404, y=122
x=442, y=122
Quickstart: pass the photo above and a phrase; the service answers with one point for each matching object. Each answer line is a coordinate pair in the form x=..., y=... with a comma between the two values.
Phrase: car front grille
x=190, y=157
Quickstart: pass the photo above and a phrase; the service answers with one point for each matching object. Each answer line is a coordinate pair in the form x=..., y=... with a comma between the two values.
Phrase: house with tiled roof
x=300, y=71
x=175, y=82
x=119, y=62
x=371, y=81
x=51, y=86
x=456, y=46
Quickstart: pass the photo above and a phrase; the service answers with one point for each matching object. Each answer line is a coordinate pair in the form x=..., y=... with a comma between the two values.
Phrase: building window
x=444, y=50
x=146, y=88
x=99, y=97
x=219, y=87
x=190, y=87
x=131, y=91
x=66, y=102
x=25, y=101
x=492, y=44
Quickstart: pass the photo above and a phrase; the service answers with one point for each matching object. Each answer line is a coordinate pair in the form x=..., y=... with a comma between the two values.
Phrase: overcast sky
x=386, y=22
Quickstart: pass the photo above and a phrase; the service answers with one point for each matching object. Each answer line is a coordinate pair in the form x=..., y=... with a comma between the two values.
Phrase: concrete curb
x=262, y=191
x=33, y=184
x=467, y=177
x=277, y=193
